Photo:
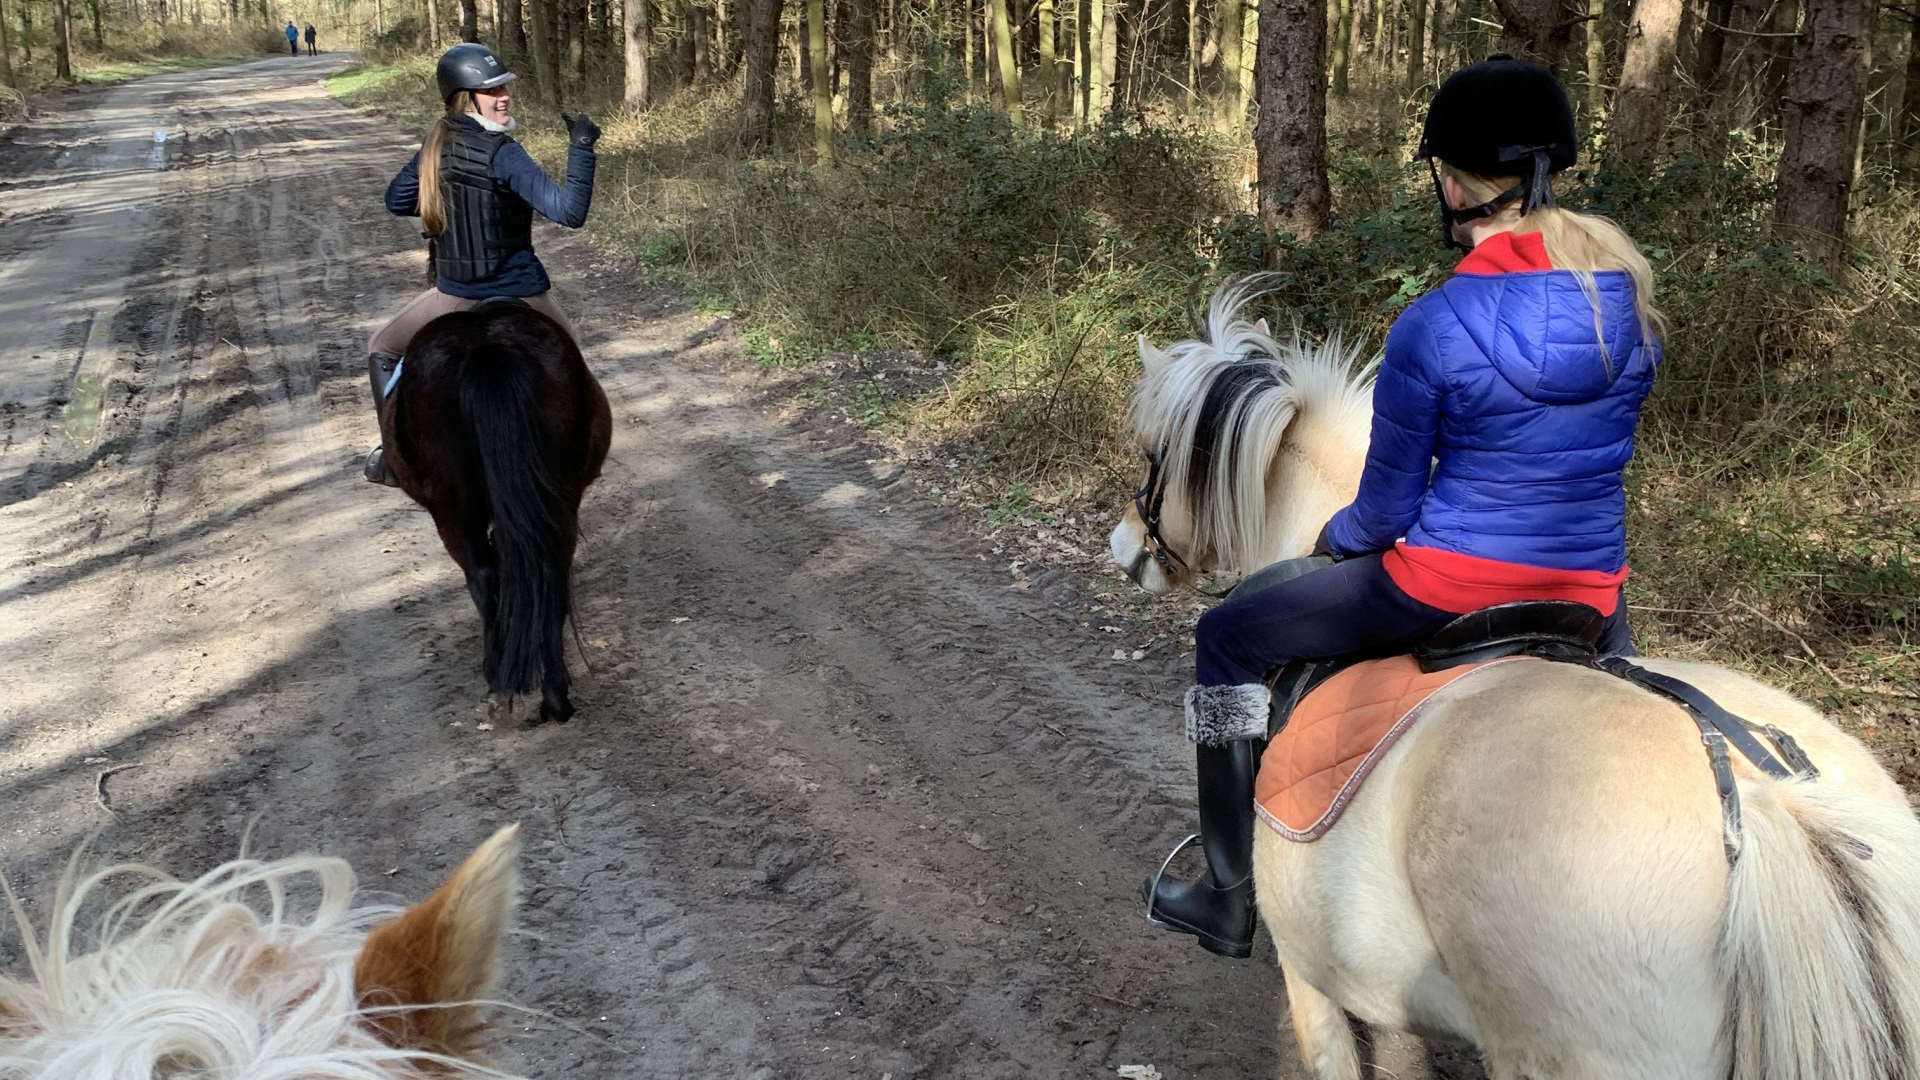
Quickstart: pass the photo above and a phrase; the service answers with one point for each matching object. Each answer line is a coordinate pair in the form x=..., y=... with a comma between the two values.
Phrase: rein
x=1147, y=502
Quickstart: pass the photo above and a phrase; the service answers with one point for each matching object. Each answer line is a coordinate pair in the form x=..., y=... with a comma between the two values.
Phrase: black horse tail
x=534, y=528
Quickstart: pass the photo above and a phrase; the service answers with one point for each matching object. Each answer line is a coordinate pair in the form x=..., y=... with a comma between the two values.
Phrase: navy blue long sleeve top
x=563, y=204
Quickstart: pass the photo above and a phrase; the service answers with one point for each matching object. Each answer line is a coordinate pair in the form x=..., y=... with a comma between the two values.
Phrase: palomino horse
x=497, y=427
x=220, y=977
x=1538, y=866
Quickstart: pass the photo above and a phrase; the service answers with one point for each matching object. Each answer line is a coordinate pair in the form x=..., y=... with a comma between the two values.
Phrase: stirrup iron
x=1153, y=893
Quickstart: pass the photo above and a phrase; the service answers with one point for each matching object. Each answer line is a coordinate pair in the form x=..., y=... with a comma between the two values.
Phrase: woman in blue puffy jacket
x=1503, y=416
x=475, y=191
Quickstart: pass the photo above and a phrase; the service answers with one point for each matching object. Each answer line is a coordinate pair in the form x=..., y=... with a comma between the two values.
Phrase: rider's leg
x=543, y=303
x=1616, y=638
x=383, y=356
x=1341, y=610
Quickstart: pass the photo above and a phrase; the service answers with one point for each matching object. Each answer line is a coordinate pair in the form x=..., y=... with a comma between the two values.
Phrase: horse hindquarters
x=1535, y=868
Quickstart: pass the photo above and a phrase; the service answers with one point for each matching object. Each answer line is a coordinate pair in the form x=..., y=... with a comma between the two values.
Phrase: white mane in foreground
x=215, y=978
x=1236, y=399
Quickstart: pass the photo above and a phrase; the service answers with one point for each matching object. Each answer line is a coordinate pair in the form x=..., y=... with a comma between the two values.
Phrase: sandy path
x=839, y=802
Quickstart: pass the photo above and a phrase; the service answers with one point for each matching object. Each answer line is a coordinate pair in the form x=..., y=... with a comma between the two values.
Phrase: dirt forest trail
x=838, y=803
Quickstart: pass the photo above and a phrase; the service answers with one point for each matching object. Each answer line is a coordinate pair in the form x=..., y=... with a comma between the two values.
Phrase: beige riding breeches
x=392, y=338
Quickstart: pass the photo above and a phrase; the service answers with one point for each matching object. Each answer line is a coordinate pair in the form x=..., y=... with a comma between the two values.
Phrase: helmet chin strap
x=1535, y=192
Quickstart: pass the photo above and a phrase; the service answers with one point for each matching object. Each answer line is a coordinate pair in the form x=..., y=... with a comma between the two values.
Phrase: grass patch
x=113, y=71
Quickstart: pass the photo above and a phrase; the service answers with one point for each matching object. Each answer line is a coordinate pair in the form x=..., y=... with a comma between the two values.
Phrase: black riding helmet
x=1500, y=117
x=469, y=66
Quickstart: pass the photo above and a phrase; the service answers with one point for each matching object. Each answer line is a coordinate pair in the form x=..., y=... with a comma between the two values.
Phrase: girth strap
x=1718, y=728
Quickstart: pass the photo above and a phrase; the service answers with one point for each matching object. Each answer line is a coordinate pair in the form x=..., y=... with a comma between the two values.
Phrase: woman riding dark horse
x=475, y=191
x=1503, y=416
x=493, y=421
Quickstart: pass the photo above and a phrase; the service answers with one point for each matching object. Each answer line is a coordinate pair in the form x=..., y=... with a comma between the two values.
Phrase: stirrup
x=1153, y=891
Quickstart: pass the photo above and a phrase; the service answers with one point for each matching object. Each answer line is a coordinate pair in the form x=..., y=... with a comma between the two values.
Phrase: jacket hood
x=1539, y=331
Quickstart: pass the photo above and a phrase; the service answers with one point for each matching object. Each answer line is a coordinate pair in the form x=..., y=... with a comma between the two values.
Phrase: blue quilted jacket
x=1501, y=425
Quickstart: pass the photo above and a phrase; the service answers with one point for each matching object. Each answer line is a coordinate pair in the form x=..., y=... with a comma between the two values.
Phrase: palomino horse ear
x=442, y=952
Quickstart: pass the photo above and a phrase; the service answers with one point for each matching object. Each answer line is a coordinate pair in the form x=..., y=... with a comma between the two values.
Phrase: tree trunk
x=513, y=32
x=1538, y=30
x=63, y=39
x=1290, y=139
x=1009, y=63
x=545, y=73
x=1342, y=42
x=1081, y=17
x=636, y=33
x=699, y=28
x=859, y=46
x=469, y=21
x=761, y=52
x=1595, y=31
x=1049, y=66
x=1639, y=105
x=433, y=25
x=1416, y=43
x=1907, y=128
x=1825, y=98
x=822, y=85
x=1233, y=75
x=6, y=49
x=1194, y=38
x=1109, y=52
x=96, y=13
x=577, y=44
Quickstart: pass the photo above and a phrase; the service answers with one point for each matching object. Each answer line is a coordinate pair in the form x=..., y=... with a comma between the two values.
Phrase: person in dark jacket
x=311, y=51
x=293, y=39
x=1503, y=416
x=475, y=191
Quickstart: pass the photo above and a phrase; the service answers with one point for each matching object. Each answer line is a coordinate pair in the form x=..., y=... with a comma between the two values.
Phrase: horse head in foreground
x=1542, y=865
x=219, y=977
x=497, y=427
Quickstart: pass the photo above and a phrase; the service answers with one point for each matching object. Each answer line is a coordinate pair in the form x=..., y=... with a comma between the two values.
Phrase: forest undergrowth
x=972, y=291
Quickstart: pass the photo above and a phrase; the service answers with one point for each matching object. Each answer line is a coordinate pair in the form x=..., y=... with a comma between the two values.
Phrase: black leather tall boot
x=380, y=369
x=1218, y=907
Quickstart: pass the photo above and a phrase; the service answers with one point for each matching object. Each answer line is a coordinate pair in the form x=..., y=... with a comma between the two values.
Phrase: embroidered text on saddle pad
x=1314, y=768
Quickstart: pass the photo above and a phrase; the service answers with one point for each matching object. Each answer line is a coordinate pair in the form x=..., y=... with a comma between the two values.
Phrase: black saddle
x=1555, y=629
x=493, y=302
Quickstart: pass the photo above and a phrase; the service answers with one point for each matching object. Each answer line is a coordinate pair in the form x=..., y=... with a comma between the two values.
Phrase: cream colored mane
x=1287, y=425
x=215, y=978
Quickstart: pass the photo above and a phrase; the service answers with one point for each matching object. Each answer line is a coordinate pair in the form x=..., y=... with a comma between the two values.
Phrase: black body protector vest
x=486, y=221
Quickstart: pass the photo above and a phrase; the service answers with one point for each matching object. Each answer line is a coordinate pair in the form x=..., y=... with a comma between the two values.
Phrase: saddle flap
x=1560, y=629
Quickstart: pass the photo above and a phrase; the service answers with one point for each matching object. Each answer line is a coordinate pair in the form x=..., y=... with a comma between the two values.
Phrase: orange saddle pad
x=1335, y=737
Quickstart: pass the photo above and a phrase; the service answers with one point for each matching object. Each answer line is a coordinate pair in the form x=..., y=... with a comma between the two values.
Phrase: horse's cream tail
x=1821, y=944
x=1320, y=1027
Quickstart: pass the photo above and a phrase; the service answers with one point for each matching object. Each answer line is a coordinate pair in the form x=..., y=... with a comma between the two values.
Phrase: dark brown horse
x=497, y=427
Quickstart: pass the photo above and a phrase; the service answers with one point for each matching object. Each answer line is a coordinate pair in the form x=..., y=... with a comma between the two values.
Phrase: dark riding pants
x=1351, y=608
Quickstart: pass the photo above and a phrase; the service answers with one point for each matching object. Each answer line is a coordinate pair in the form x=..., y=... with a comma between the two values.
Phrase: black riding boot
x=380, y=369
x=1218, y=907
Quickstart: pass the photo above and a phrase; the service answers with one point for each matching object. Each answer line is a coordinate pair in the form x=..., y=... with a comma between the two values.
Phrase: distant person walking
x=310, y=36
x=293, y=38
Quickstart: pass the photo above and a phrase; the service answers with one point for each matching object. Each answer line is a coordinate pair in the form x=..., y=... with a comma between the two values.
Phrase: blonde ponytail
x=433, y=199
x=1582, y=243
